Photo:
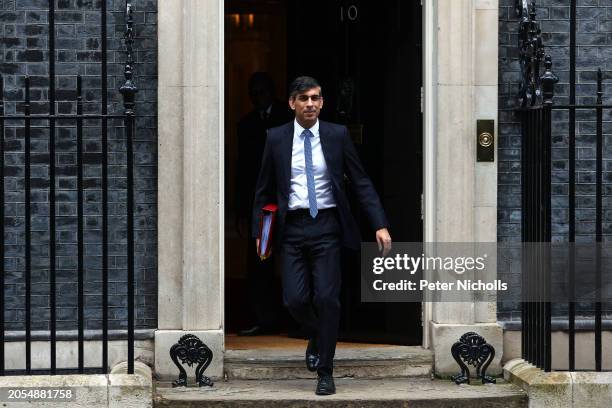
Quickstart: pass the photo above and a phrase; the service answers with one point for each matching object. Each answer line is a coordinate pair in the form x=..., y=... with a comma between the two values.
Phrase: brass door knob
x=485, y=139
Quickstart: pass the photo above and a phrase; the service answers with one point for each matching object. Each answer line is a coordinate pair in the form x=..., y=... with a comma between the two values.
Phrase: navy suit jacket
x=274, y=180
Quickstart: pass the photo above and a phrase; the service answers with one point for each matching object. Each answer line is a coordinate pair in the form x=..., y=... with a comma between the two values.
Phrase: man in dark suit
x=267, y=112
x=302, y=171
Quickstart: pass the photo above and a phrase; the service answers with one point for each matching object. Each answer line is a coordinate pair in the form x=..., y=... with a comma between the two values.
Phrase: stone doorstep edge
x=560, y=388
x=131, y=390
x=117, y=389
x=354, y=362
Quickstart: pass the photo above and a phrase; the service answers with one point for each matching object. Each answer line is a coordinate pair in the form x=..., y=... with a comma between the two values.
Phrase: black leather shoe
x=252, y=331
x=312, y=356
x=325, y=385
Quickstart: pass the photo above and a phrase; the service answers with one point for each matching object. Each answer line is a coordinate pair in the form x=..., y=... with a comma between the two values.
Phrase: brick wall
x=24, y=41
x=594, y=50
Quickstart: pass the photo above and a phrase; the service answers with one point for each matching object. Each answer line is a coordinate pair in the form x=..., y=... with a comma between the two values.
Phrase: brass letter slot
x=485, y=140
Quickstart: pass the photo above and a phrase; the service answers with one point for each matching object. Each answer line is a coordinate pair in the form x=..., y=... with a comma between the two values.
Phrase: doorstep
x=355, y=362
x=362, y=393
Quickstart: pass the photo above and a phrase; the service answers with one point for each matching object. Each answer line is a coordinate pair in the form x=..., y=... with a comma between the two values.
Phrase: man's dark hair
x=302, y=84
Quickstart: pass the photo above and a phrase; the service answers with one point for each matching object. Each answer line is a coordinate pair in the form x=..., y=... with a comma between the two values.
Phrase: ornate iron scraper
x=191, y=350
x=473, y=349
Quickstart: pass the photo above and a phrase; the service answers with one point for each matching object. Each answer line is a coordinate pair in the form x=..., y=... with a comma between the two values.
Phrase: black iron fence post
x=27, y=226
x=104, y=130
x=548, y=80
x=80, y=272
x=52, y=221
x=572, y=188
x=2, y=275
x=598, y=218
x=128, y=90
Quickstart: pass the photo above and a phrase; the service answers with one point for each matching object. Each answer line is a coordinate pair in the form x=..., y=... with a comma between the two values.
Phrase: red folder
x=266, y=229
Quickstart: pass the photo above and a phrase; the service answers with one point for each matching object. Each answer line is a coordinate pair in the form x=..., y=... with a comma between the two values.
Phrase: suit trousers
x=310, y=257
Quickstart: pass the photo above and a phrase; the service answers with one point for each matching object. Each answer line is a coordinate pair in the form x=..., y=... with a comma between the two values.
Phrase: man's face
x=307, y=105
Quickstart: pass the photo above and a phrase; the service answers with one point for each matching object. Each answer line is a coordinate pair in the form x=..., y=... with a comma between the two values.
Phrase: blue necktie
x=312, y=196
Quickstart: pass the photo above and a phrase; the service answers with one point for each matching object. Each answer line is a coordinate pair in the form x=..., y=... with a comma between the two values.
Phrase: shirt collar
x=299, y=129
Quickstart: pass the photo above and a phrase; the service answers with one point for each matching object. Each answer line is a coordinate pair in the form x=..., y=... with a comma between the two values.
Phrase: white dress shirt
x=298, y=191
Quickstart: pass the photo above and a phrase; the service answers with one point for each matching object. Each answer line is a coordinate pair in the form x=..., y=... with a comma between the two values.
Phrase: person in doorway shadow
x=302, y=171
x=267, y=112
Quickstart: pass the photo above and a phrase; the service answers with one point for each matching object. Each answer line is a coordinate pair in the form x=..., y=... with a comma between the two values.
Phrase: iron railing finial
x=548, y=80
x=532, y=89
x=129, y=89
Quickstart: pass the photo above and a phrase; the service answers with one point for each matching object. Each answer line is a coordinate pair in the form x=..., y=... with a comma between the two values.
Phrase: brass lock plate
x=485, y=140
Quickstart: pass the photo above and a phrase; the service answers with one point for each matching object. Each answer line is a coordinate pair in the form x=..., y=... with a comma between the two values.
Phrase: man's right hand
x=257, y=246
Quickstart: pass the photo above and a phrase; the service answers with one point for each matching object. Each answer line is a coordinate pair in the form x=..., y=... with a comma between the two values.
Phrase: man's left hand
x=384, y=241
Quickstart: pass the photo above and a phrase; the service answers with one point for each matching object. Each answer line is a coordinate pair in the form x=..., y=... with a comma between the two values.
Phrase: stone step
x=354, y=362
x=352, y=393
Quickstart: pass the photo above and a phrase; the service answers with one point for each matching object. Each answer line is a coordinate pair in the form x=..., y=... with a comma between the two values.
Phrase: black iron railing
x=536, y=101
x=597, y=111
x=535, y=98
x=128, y=90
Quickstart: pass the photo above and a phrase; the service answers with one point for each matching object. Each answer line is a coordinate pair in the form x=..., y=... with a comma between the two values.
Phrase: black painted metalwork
x=535, y=97
x=104, y=83
x=24, y=115
x=531, y=55
x=128, y=90
x=473, y=349
x=28, y=229
x=67, y=116
x=536, y=118
x=537, y=226
x=598, y=218
x=80, y=252
x=572, y=188
x=521, y=8
x=548, y=79
x=52, y=237
x=2, y=276
x=191, y=350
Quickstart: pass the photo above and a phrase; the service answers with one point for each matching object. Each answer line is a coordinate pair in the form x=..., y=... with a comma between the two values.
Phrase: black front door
x=367, y=56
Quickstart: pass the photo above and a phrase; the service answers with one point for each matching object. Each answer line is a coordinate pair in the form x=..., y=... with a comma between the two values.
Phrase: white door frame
x=429, y=145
